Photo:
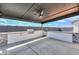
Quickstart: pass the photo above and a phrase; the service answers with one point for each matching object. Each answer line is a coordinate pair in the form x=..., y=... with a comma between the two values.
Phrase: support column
x=41, y=26
x=42, y=29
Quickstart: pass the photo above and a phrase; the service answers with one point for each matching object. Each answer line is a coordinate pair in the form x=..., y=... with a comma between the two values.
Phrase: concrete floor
x=46, y=46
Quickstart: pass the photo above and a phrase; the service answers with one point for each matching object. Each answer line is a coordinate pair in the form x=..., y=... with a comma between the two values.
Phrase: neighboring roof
x=32, y=11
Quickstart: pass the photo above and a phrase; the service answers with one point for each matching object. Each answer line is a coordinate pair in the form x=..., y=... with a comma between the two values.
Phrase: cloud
x=74, y=18
x=61, y=21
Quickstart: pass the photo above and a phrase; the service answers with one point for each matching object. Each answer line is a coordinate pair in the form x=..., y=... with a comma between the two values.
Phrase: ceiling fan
x=39, y=12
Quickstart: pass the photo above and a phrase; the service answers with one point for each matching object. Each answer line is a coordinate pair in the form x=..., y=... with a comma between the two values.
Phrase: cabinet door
x=14, y=37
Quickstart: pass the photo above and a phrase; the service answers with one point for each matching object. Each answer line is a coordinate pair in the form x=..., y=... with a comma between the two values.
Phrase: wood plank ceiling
x=38, y=12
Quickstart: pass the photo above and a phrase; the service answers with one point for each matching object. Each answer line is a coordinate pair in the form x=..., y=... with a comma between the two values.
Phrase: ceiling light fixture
x=41, y=16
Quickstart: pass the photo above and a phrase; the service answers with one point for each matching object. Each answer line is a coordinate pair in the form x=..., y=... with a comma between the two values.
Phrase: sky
x=67, y=22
